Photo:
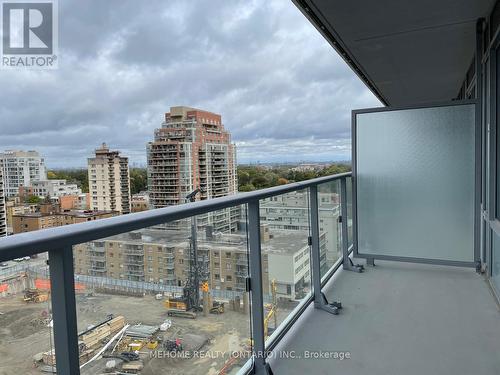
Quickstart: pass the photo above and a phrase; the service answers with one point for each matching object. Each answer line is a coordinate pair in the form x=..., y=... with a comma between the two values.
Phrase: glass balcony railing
x=204, y=287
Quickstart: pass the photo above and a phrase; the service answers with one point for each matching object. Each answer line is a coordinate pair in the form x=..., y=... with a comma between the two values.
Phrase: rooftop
x=282, y=242
x=74, y=213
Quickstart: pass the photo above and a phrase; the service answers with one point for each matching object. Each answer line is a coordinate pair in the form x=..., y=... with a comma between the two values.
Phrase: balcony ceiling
x=409, y=51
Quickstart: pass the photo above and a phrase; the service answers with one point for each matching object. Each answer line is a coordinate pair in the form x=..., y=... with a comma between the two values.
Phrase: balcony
x=422, y=319
x=420, y=208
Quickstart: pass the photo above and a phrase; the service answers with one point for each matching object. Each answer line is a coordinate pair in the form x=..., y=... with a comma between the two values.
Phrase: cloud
x=283, y=92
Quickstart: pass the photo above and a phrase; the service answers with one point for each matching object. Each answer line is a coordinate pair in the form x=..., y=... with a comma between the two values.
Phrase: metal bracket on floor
x=350, y=266
x=479, y=267
x=370, y=262
x=264, y=370
x=268, y=369
x=330, y=307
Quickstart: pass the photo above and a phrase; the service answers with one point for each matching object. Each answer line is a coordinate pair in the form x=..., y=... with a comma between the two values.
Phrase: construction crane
x=189, y=304
x=191, y=290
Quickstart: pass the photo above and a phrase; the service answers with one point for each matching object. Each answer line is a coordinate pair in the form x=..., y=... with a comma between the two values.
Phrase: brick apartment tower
x=3, y=220
x=193, y=150
x=109, y=181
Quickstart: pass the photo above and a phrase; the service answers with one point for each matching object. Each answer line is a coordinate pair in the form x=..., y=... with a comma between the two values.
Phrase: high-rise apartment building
x=109, y=181
x=19, y=169
x=192, y=150
x=3, y=217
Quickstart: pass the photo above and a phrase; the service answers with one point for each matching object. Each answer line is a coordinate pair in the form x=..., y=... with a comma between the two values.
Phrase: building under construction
x=190, y=151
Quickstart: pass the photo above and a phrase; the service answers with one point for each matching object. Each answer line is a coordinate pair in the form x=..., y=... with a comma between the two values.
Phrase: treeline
x=249, y=177
x=138, y=178
x=255, y=177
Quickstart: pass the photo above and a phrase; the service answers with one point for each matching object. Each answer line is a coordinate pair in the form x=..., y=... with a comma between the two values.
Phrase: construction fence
x=113, y=286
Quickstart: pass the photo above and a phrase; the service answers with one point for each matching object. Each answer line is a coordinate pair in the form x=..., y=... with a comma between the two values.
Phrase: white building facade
x=54, y=188
x=21, y=168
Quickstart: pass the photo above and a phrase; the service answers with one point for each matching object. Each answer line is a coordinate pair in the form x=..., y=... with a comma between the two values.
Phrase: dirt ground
x=24, y=333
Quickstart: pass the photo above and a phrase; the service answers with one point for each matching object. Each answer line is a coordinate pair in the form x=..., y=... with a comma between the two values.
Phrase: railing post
x=346, y=261
x=260, y=365
x=320, y=301
x=64, y=311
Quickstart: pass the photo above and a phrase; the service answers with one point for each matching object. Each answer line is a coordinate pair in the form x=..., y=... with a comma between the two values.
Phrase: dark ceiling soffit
x=336, y=42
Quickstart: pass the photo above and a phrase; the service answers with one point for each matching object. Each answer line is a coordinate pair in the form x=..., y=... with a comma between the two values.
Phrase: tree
x=257, y=177
x=33, y=199
x=247, y=187
x=138, y=180
x=282, y=181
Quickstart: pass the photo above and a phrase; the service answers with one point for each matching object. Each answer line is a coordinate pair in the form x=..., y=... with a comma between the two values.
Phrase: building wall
x=37, y=221
x=3, y=213
x=165, y=261
x=20, y=168
x=75, y=202
x=290, y=266
x=131, y=260
x=109, y=181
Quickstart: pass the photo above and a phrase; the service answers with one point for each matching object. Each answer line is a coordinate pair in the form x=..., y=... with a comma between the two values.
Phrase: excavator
x=35, y=295
x=272, y=311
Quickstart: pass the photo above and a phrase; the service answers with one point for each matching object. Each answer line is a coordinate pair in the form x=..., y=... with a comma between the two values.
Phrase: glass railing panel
x=350, y=237
x=170, y=298
x=286, y=260
x=329, y=227
x=26, y=333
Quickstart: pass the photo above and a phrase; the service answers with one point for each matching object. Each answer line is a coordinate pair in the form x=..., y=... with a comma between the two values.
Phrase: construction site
x=128, y=333
x=162, y=326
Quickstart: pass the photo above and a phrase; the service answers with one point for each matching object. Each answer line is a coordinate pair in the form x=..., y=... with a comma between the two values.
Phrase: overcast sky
x=282, y=91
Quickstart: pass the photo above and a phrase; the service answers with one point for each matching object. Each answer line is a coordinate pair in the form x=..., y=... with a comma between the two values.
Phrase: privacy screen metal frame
x=477, y=187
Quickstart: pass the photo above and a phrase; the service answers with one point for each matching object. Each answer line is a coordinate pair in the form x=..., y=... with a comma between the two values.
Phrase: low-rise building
x=42, y=220
x=12, y=208
x=140, y=202
x=49, y=188
x=75, y=202
x=162, y=256
x=290, y=212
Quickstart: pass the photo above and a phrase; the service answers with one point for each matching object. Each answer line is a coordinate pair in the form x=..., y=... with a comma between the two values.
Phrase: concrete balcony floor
x=400, y=318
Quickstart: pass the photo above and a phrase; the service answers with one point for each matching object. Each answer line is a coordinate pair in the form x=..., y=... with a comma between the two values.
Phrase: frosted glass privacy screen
x=415, y=182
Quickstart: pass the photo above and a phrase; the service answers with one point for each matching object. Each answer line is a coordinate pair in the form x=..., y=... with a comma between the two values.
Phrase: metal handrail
x=25, y=244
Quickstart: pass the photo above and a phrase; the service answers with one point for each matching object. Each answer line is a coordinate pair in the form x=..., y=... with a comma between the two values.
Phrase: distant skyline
x=283, y=92
x=256, y=163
